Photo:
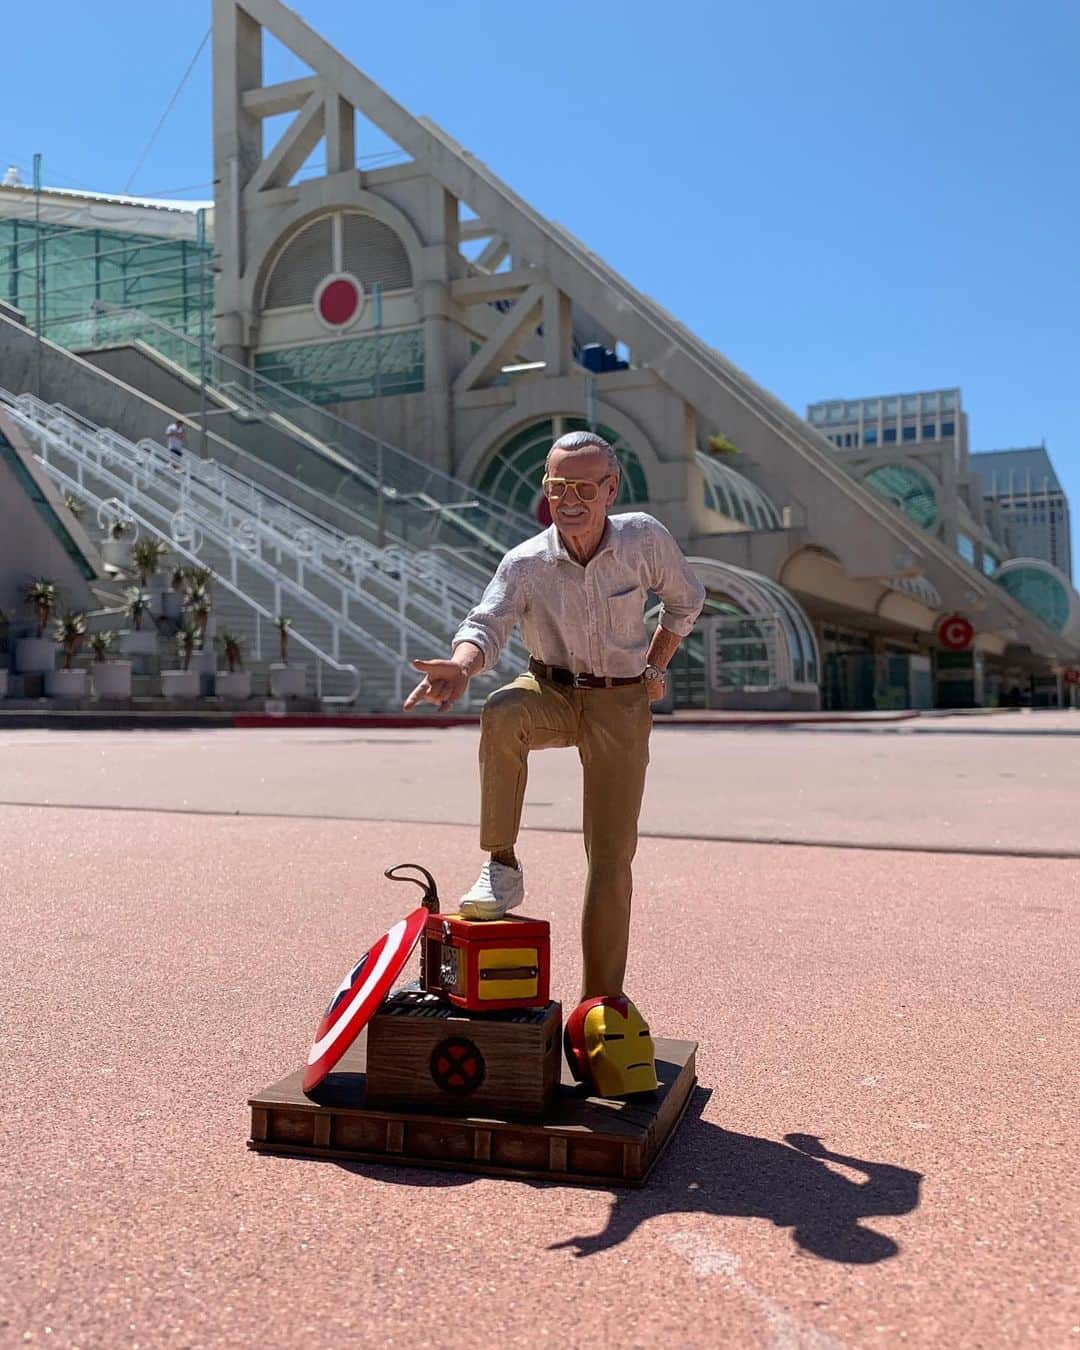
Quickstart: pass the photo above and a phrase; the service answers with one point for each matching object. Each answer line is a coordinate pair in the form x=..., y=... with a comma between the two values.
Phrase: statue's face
x=619, y=1048
x=572, y=516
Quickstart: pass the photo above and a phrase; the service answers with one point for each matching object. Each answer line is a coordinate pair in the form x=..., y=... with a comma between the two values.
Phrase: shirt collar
x=557, y=551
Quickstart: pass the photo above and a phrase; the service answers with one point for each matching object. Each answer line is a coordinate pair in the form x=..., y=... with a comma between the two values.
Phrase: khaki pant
x=610, y=728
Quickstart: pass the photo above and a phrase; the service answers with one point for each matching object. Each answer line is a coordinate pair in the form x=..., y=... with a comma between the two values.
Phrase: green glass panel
x=338, y=372
x=44, y=508
x=166, y=278
x=1040, y=592
x=907, y=489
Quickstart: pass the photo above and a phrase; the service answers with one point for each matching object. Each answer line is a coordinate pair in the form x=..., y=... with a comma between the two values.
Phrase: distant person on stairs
x=174, y=441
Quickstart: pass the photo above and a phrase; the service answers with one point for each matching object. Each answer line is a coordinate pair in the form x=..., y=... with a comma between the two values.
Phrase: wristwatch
x=652, y=673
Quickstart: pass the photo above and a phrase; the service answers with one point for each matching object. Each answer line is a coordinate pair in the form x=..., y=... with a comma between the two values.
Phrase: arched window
x=342, y=241
x=514, y=472
x=907, y=489
x=728, y=492
x=1038, y=589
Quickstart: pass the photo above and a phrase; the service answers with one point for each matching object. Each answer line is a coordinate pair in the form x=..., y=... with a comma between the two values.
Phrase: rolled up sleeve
x=681, y=593
x=490, y=622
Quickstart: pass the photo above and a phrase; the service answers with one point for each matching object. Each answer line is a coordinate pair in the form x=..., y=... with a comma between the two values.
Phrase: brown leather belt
x=557, y=675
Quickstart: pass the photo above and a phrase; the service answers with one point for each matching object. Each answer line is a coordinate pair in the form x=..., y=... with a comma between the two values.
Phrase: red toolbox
x=487, y=966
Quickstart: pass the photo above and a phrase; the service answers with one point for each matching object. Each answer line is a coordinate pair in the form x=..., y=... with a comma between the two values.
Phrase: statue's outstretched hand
x=443, y=684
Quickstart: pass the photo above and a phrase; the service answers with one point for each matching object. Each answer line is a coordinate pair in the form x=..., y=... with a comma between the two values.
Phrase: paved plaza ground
x=872, y=932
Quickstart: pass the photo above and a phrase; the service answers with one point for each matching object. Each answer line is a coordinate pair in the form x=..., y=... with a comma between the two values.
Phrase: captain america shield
x=359, y=995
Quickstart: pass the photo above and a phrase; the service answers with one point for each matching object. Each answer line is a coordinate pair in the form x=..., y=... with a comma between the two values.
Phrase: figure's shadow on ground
x=710, y=1170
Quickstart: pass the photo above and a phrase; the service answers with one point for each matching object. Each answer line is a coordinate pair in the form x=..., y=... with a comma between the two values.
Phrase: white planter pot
x=140, y=642
x=180, y=683
x=111, y=679
x=116, y=553
x=287, y=681
x=34, y=655
x=172, y=605
x=204, y=662
x=232, y=684
x=3, y=683
x=65, y=683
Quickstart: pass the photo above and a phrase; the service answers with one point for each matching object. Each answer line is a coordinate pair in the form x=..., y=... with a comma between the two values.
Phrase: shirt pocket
x=626, y=614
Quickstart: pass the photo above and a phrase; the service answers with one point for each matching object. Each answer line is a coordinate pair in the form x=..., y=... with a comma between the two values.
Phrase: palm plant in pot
x=114, y=551
x=199, y=604
x=183, y=683
x=172, y=599
x=286, y=681
x=69, y=631
x=233, y=682
x=111, y=679
x=147, y=555
x=140, y=640
x=37, y=654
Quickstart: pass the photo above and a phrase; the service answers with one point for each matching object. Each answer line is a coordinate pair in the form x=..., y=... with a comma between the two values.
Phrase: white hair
x=586, y=440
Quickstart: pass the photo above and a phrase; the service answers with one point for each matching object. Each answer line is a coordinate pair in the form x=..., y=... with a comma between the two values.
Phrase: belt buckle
x=581, y=681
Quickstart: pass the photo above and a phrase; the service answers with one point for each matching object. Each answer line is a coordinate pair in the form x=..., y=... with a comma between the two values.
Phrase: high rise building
x=1029, y=501
x=912, y=449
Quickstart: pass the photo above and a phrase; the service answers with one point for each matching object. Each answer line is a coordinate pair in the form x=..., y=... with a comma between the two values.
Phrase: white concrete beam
x=504, y=286
x=274, y=99
x=503, y=342
x=304, y=133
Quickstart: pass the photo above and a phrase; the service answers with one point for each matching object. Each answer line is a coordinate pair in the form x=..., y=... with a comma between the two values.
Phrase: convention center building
x=370, y=342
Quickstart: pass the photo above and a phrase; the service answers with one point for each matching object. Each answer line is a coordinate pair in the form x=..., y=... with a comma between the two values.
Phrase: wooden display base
x=587, y=1140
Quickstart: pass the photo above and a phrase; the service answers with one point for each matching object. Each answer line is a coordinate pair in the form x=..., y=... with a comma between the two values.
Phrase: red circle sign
x=338, y=300
x=955, y=633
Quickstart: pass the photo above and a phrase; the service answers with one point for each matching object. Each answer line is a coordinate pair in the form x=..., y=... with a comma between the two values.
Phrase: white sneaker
x=497, y=889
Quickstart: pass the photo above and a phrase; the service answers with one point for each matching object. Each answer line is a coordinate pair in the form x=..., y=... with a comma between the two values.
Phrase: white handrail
x=322, y=658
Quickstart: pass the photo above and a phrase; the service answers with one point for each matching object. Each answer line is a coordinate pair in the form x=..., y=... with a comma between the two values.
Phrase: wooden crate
x=423, y=1052
x=583, y=1140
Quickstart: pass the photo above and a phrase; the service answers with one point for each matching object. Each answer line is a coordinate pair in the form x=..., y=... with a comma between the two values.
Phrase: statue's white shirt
x=591, y=617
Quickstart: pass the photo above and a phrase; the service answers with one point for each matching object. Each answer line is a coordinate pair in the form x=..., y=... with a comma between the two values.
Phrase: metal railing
x=402, y=597
x=74, y=483
x=417, y=502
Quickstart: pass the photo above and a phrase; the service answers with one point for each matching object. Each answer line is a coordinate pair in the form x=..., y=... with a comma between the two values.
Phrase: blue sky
x=846, y=197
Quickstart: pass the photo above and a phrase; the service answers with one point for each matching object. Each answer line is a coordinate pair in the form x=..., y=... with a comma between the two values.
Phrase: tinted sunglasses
x=584, y=488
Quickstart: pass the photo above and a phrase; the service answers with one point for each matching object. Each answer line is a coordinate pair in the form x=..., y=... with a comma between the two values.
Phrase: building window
x=948, y=429
x=514, y=472
x=889, y=435
x=929, y=431
x=869, y=435
x=908, y=489
x=891, y=407
x=910, y=433
x=911, y=403
x=966, y=548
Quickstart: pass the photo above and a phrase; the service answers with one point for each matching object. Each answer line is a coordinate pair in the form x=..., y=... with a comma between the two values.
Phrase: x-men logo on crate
x=359, y=994
x=457, y=1066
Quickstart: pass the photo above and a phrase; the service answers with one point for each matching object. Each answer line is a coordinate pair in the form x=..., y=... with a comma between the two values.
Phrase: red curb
x=437, y=722
x=391, y=721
